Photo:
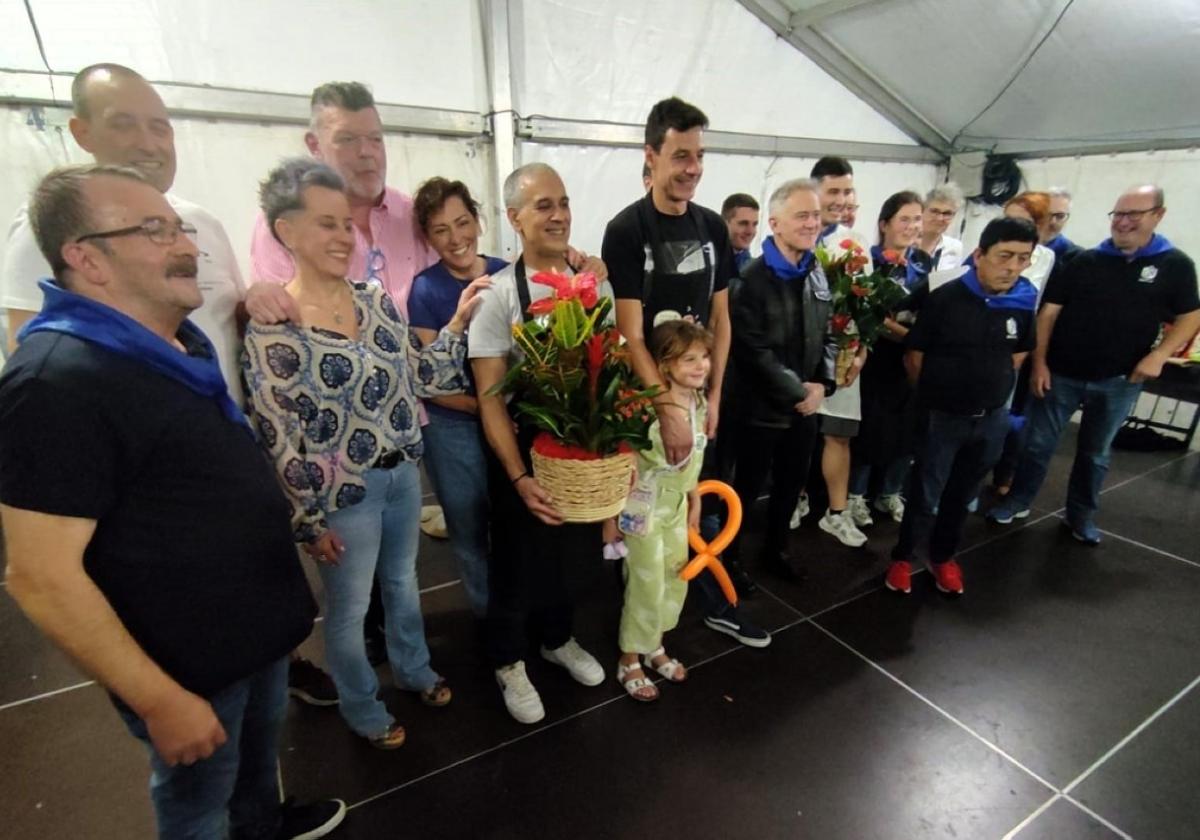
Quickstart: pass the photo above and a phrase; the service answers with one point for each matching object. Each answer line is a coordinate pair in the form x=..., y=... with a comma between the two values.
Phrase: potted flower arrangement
x=577, y=386
x=861, y=301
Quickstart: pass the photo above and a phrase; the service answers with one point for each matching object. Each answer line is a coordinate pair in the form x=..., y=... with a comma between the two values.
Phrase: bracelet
x=518, y=478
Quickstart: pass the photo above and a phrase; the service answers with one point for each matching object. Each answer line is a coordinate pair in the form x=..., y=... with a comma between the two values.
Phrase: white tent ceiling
x=1019, y=76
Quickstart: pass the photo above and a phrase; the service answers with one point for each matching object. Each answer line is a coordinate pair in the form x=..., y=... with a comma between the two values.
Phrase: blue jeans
x=235, y=791
x=892, y=484
x=457, y=466
x=1105, y=403
x=380, y=534
x=954, y=453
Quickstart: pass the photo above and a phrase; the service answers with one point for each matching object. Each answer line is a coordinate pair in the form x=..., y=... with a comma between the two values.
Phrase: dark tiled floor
x=878, y=718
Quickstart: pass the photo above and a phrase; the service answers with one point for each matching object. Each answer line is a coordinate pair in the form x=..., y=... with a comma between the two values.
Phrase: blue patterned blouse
x=327, y=407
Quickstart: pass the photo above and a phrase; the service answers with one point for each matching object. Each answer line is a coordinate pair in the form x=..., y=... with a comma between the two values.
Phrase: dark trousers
x=784, y=455
x=954, y=453
x=534, y=572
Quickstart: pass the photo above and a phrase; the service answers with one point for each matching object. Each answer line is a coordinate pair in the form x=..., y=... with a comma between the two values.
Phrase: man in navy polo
x=1097, y=334
x=963, y=354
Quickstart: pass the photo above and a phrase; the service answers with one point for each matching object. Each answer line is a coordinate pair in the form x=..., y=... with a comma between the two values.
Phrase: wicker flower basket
x=585, y=491
x=845, y=358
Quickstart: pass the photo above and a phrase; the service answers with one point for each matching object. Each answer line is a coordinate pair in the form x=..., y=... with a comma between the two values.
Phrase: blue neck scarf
x=913, y=273
x=740, y=258
x=1060, y=245
x=1023, y=294
x=1157, y=245
x=93, y=322
x=827, y=232
x=783, y=267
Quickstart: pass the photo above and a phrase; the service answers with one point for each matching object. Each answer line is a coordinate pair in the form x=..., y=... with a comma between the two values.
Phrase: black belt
x=388, y=460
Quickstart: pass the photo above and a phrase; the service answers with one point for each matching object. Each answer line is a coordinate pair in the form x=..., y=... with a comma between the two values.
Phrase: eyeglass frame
x=145, y=229
x=1133, y=215
x=1058, y=217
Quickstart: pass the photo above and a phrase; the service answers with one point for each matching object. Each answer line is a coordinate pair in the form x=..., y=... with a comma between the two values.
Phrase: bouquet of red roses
x=861, y=301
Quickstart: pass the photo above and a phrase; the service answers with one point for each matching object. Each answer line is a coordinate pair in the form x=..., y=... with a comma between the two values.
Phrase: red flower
x=859, y=291
x=542, y=306
x=848, y=245
x=894, y=257
x=582, y=286
x=839, y=322
x=595, y=361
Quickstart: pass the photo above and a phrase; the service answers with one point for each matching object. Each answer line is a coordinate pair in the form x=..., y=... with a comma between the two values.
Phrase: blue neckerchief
x=1157, y=245
x=783, y=267
x=827, y=231
x=93, y=322
x=740, y=258
x=1060, y=245
x=1023, y=294
x=913, y=273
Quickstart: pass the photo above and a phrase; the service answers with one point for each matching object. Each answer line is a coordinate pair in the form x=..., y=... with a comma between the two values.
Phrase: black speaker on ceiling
x=1001, y=179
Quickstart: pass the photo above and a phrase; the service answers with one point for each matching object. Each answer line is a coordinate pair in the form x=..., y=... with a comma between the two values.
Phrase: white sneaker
x=800, y=512
x=841, y=526
x=520, y=697
x=859, y=511
x=579, y=663
x=892, y=503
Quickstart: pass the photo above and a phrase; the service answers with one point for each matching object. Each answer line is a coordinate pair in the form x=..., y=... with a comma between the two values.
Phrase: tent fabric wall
x=612, y=61
x=221, y=163
x=602, y=181
x=1095, y=181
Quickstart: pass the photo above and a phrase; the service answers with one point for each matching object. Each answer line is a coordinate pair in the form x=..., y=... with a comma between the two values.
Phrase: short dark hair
x=349, y=96
x=672, y=113
x=831, y=167
x=59, y=212
x=282, y=191
x=892, y=206
x=432, y=196
x=731, y=204
x=79, y=103
x=1005, y=229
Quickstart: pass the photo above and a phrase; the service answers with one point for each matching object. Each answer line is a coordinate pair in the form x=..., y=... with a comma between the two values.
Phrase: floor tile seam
x=1124, y=835
x=1138, y=730
x=1032, y=817
x=46, y=695
x=943, y=712
x=552, y=725
x=1126, y=481
x=1148, y=547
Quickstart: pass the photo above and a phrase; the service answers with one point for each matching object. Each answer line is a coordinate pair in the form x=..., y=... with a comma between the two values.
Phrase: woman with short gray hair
x=942, y=204
x=334, y=401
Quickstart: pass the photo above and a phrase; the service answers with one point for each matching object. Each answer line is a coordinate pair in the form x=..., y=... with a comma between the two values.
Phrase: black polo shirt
x=968, y=347
x=193, y=548
x=1112, y=309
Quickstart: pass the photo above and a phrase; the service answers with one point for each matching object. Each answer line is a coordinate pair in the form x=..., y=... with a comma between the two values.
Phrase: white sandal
x=633, y=686
x=667, y=669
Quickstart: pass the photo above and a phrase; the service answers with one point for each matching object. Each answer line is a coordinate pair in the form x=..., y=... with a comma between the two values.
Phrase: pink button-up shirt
x=398, y=254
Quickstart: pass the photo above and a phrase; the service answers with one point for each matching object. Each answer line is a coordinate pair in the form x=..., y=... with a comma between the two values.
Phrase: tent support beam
x=24, y=89
x=824, y=10
x=836, y=63
x=580, y=132
x=1105, y=149
x=494, y=15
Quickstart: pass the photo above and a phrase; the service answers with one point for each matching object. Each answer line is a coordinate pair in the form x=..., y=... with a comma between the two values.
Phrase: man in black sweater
x=963, y=354
x=1097, y=332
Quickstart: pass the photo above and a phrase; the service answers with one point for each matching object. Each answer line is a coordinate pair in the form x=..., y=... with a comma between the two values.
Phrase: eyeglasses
x=851, y=208
x=1131, y=215
x=943, y=214
x=157, y=229
x=376, y=265
x=1060, y=217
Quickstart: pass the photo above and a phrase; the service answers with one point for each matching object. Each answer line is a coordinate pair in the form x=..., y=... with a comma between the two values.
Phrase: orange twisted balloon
x=706, y=553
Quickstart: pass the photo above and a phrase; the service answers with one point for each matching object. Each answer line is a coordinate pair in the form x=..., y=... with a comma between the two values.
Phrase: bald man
x=1096, y=335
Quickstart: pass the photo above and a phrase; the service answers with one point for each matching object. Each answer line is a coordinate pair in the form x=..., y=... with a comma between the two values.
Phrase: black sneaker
x=311, y=685
x=743, y=584
x=732, y=624
x=307, y=822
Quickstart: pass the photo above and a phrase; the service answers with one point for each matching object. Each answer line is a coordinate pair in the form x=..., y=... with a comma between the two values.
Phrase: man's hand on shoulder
x=269, y=303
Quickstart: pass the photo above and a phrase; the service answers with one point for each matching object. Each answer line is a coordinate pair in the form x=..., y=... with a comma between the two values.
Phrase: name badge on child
x=639, y=507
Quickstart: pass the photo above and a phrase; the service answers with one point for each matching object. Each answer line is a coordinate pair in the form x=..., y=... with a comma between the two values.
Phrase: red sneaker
x=948, y=577
x=899, y=577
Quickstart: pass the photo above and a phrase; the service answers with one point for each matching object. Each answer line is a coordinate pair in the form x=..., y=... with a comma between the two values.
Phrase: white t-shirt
x=219, y=279
x=950, y=253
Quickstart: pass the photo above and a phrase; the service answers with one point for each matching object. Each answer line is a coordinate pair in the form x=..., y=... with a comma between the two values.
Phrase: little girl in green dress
x=661, y=507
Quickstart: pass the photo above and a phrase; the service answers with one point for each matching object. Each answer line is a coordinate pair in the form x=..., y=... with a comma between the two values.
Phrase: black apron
x=688, y=294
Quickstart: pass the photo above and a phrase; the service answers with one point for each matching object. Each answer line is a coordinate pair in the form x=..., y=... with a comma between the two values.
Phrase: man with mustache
x=1097, y=333
x=145, y=533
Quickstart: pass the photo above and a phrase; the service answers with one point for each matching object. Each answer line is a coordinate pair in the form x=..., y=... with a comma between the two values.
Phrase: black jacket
x=781, y=340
